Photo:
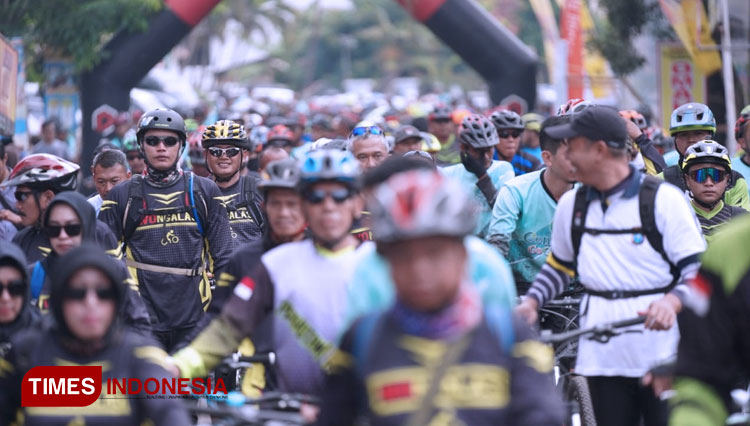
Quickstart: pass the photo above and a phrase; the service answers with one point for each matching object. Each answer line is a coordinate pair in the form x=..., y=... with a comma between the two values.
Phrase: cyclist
x=632, y=261
x=430, y=144
x=133, y=154
x=647, y=157
x=433, y=357
x=713, y=351
x=478, y=171
x=310, y=306
x=521, y=224
x=108, y=169
x=532, y=124
x=172, y=227
x=691, y=123
x=70, y=221
x=16, y=312
x=440, y=124
x=225, y=144
x=280, y=136
x=407, y=138
x=741, y=161
x=707, y=170
x=268, y=155
x=37, y=178
x=86, y=296
x=509, y=127
x=368, y=145
x=374, y=289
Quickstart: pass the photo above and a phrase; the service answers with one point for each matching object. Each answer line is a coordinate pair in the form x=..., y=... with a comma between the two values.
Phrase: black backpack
x=646, y=199
x=249, y=196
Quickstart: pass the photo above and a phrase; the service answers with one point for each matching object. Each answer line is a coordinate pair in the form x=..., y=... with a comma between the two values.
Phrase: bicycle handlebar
x=238, y=361
x=601, y=332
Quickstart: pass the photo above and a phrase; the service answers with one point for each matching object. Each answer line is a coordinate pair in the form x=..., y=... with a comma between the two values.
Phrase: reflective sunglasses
x=21, y=196
x=80, y=293
x=317, y=196
x=218, y=152
x=72, y=230
x=372, y=130
x=701, y=175
x=169, y=141
x=15, y=288
x=509, y=133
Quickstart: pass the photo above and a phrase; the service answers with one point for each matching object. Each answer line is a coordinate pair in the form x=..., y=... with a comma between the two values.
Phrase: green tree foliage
x=625, y=20
x=75, y=29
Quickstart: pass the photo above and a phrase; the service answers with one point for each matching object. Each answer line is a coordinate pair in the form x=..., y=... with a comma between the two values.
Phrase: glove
x=473, y=165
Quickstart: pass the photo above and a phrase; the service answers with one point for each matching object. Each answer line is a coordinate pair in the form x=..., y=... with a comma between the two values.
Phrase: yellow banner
x=683, y=15
x=681, y=80
x=8, y=82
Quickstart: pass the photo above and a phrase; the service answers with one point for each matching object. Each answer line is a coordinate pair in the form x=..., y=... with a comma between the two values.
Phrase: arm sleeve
x=534, y=400
x=149, y=363
x=342, y=394
x=250, y=302
x=218, y=242
x=505, y=214
x=487, y=189
x=555, y=275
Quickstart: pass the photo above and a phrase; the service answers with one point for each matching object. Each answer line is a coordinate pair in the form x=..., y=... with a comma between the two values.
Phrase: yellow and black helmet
x=225, y=132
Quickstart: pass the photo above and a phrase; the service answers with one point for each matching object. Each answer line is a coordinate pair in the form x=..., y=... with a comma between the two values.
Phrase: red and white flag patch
x=244, y=288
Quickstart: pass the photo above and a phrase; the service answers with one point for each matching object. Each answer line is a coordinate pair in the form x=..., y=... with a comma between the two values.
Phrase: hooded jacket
x=94, y=232
x=28, y=317
x=121, y=353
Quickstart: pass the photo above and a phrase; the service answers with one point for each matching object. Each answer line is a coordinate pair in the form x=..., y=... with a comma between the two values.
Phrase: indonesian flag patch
x=244, y=288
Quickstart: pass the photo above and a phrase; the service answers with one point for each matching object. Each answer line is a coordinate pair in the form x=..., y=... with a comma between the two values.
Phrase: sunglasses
x=15, y=288
x=21, y=196
x=218, y=152
x=701, y=175
x=132, y=157
x=169, y=141
x=441, y=120
x=72, y=230
x=509, y=133
x=80, y=293
x=372, y=130
x=317, y=196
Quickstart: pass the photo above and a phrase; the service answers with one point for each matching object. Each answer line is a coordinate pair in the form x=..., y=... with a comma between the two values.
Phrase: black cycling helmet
x=161, y=119
x=506, y=119
x=478, y=132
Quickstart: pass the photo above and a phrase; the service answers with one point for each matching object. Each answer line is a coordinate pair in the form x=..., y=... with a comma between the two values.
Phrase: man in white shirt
x=632, y=257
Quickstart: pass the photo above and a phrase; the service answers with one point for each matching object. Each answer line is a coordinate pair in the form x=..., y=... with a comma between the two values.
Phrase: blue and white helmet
x=692, y=116
x=329, y=165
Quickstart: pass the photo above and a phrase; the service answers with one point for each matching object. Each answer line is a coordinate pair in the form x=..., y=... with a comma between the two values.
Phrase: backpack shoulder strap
x=646, y=209
x=500, y=322
x=580, y=209
x=249, y=189
x=37, y=280
x=134, y=207
x=199, y=219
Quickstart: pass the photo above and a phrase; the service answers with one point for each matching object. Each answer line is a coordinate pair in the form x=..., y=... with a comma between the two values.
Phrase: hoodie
x=12, y=255
x=97, y=233
x=122, y=353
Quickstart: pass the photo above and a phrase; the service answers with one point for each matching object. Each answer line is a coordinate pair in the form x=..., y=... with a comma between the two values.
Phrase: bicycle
x=575, y=388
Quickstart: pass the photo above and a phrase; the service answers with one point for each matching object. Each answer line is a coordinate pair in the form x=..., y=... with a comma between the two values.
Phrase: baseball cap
x=598, y=123
x=406, y=132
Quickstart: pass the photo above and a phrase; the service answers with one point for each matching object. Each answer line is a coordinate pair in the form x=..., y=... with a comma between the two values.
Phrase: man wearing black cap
x=632, y=243
x=406, y=138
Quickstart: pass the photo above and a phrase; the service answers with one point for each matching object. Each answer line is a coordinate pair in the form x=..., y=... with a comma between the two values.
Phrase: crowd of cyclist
x=395, y=268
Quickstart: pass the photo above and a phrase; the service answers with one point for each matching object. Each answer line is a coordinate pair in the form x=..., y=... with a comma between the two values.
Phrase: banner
x=8, y=82
x=681, y=80
x=570, y=24
x=547, y=22
x=683, y=15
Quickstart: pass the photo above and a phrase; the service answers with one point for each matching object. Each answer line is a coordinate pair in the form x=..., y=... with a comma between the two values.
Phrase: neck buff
x=163, y=178
x=462, y=315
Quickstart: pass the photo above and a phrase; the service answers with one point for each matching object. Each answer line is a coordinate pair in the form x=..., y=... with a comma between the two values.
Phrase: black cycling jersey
x=167, y=254
x=245, y=216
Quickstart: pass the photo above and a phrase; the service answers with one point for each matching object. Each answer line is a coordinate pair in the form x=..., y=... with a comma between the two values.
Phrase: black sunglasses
x=155, y=140
x=21, y=196
x=316, y=196
x=80, y=293
x=15, y=288
x=509, y=133
x=72, y=230
x=134, y=156
x=218, y=152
